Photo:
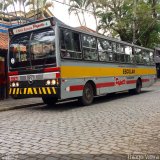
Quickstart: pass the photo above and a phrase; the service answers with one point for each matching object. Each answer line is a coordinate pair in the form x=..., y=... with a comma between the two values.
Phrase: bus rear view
x=33, y=67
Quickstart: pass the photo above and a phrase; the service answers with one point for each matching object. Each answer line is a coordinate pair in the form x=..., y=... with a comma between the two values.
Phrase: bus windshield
x=31, y=49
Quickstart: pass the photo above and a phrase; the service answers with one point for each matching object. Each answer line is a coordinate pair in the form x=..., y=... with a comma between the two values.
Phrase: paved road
x=119, y=124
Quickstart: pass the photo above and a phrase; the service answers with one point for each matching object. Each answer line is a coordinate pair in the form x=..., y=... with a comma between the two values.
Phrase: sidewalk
x=10, y=104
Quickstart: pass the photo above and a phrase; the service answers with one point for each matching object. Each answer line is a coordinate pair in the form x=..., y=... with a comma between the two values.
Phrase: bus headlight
x=53, y=82
x=48, y=82
x=17, y=84
x=13, y=84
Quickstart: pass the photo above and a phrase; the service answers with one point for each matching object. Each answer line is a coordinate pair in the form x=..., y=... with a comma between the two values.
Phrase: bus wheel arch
x=89, y=91
x=94, y=87
x=138, y=88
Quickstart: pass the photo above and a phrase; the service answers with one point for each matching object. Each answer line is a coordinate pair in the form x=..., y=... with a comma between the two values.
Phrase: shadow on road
x=74, y=104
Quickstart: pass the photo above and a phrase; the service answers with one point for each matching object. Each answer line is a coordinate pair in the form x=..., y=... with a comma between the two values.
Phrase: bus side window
x=101, y=51
x=122, y=56
x=115, y=51
x=151, y=56
x=104, y=48
x=89, y=47
x=62, y=41
x=138, y=55
x=128, y=54
x=70, y=44
x=146, y=59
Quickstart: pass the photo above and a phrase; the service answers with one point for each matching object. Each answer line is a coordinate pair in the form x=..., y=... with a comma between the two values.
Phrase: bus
x=157, y=60
x=53, y=61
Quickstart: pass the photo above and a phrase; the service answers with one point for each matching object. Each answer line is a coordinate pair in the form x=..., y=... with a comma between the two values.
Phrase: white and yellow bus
x=53, y=61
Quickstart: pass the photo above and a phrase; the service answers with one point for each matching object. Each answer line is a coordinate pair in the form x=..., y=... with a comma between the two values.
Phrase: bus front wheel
x=88, y=95
x=49, y=100
x=138, y=88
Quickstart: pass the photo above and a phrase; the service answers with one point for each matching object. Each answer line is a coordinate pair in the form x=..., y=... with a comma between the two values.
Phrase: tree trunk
x=84, y=18
x=34, y=8
x=15, y=9
x=24, y=12
x=78, y=18
x=154, y=3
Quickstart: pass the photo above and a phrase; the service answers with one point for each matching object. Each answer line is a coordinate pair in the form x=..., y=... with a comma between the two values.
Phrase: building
x=3, y=59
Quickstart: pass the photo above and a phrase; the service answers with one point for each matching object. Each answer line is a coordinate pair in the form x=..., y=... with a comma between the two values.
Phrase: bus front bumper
x=34, y=91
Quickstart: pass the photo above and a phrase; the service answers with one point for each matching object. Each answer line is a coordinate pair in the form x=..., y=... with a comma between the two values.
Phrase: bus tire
x=88, y=95
x=138, y=88
x=49, y=100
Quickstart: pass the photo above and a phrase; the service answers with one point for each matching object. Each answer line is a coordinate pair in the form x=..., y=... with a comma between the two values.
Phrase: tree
x=38, y=6
x=121, y=18
x=79, y=7
x=1, y=10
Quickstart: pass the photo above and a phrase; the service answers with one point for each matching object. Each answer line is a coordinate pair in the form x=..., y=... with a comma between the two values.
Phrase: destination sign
x=32, y=27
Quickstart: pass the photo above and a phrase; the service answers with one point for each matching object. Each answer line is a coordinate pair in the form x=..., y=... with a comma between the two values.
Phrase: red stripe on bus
x=76, y=88
x=12, y=73
x=106, y=84
x=130, y=81
x=145, y=80
x=51, y=69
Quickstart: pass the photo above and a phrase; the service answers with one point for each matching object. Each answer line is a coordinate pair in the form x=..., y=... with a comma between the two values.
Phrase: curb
x=19, y=107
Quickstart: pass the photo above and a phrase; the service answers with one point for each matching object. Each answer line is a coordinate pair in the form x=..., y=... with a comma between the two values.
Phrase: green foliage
x=122, y=17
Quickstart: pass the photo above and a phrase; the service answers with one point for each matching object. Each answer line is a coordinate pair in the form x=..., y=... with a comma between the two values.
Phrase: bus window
x=120, y=48
x=89, y=47
x=104, y=47
x=146, y=59
x=151, y=55
x=19, y=51
x=107, y=45
x=115, y=52
x=65, y=39
x=43, y=44
x=70, y=44
x=128, y=54
x=101, y=51
x=138, y=55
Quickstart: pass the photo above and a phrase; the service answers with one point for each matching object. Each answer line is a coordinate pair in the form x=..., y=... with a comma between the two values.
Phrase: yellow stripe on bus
x=10, y=90
x=17, y=91
x=20, y=92
x=25, y=89
x=54, y=91
x=44, y=91
x=87, y=71
x=14, y=90
x=49, y=91
x=35, y=91
x=40, y=92
x=30, y=91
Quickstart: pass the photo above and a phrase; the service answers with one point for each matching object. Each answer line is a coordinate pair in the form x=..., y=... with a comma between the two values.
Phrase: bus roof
x=55, y=21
